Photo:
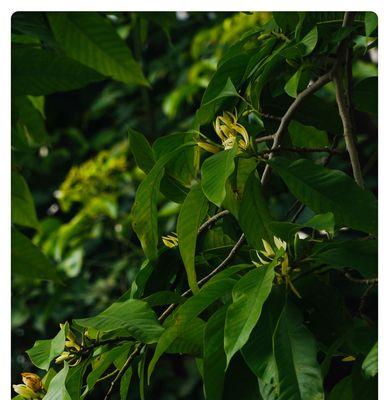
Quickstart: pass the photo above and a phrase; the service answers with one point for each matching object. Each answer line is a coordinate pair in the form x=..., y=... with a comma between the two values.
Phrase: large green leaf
x=23, y=208
x=295, y=353
x=325, y=190
x=248, y=295
x=144, y=209
x=141, y=150
x=91, y=39
x=254, y=216
x=307, y=136
x=191, y=215
x=28, y=261
x=38, y=72
x=57, y=389
x=370, y=363
x=44, y=351
x=214, y=173
x=125, y=383
x=134, y=316
x=366, y=95
x=214, y=357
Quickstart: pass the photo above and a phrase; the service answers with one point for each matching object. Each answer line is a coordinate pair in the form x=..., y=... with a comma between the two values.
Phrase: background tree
x=240, y=246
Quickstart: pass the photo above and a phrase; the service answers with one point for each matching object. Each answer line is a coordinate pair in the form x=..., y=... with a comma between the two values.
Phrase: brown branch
x=268, y=116
x=209, y=222
x=364, y=281
x=302, y=150
x=264, y=138
x=278, y=136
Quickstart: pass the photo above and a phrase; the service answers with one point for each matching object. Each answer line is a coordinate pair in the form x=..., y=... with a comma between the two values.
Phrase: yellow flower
x=32, y=381
x=170, y=240
x=65, y=355
x=25, y=392
x=229, y=131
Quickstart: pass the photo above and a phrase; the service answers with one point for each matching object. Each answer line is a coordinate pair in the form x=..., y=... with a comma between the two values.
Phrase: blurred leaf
x=28, y=261
x=44, y=351
x=38, y=72
x=371, y=22
x=325, y=190
x=132, y=315
x=91, y=40
x=366, y=95
x=193, y=212
x=23, y=208
x=214, y=173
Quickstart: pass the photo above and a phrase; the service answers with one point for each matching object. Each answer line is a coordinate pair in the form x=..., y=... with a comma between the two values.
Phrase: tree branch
x=264, y=138
x=278, y=136
x=209, y=222
x=302, y=150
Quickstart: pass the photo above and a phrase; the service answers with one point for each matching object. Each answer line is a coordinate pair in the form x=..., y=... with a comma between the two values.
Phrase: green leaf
x=295, y=353
x=370, y=363
x=28, y=261
x=214, y=356
x=141, y=150
x=361, y=255
x=192, y=213
x=309, y=41
x=74, y=379
x=322, y=222
x=23, y=208
x=325, y=190
x=248, y=295
x=214, y=172
x=343, y=390
x=125, y=383
x=208, y=110
x=144, y=209
x=254, y=216
x=91, y=39
x=371, y=22
x=57, y=389
x=38, y=72
x=307, y=136
x=30, y=118
x=134, y=316
x=291, y=87
x=104, y=361
x=44, y=351
x=365, y=95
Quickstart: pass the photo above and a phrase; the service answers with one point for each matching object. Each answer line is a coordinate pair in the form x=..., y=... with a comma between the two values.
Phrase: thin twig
x=302, y=150
x=278, y=136
x=268, y=116
x=209, y=222
x=365, y=281
x=264, y=138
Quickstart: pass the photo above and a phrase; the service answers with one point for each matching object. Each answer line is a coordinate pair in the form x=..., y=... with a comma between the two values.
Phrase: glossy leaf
x=295, y=354
x=370, y=363
x=192, y=213
x=141, y=150
x=134, y=316
x=214, y=173
x=325, y=190
x=248, y=295
x=90, y=39
x=44, y=351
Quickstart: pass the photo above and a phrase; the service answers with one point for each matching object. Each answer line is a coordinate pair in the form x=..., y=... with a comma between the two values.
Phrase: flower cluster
x=230, y=131
x=170, y=240
x=71, y=349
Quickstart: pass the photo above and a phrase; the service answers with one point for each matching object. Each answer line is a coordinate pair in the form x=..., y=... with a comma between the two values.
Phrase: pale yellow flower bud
x=170, y=240
x=25, y=392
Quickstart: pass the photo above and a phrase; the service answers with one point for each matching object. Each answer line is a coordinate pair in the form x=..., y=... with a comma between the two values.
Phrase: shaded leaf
x=370, y=363
x=307, y=136
x=141, y=150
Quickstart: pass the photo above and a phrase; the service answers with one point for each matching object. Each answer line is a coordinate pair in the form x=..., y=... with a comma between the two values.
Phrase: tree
x=266, y=271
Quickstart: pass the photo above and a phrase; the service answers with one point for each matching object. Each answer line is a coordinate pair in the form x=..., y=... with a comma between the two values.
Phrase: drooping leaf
x=141, y=150
x=254, y=216
x=44, y=351
x=134, y=316
x=214, y=172
x=37, y=72
x=144, y=209
x=57, y=389
x=191, y=215
x=23, y=208
x=214, y=356
x=295, y=354
x=90, y=39
x=291, y=86
x=28, y=261
x=325, y=190
x=125, y=383
x=371, y=22
x=248, y=295
x=370, y=363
